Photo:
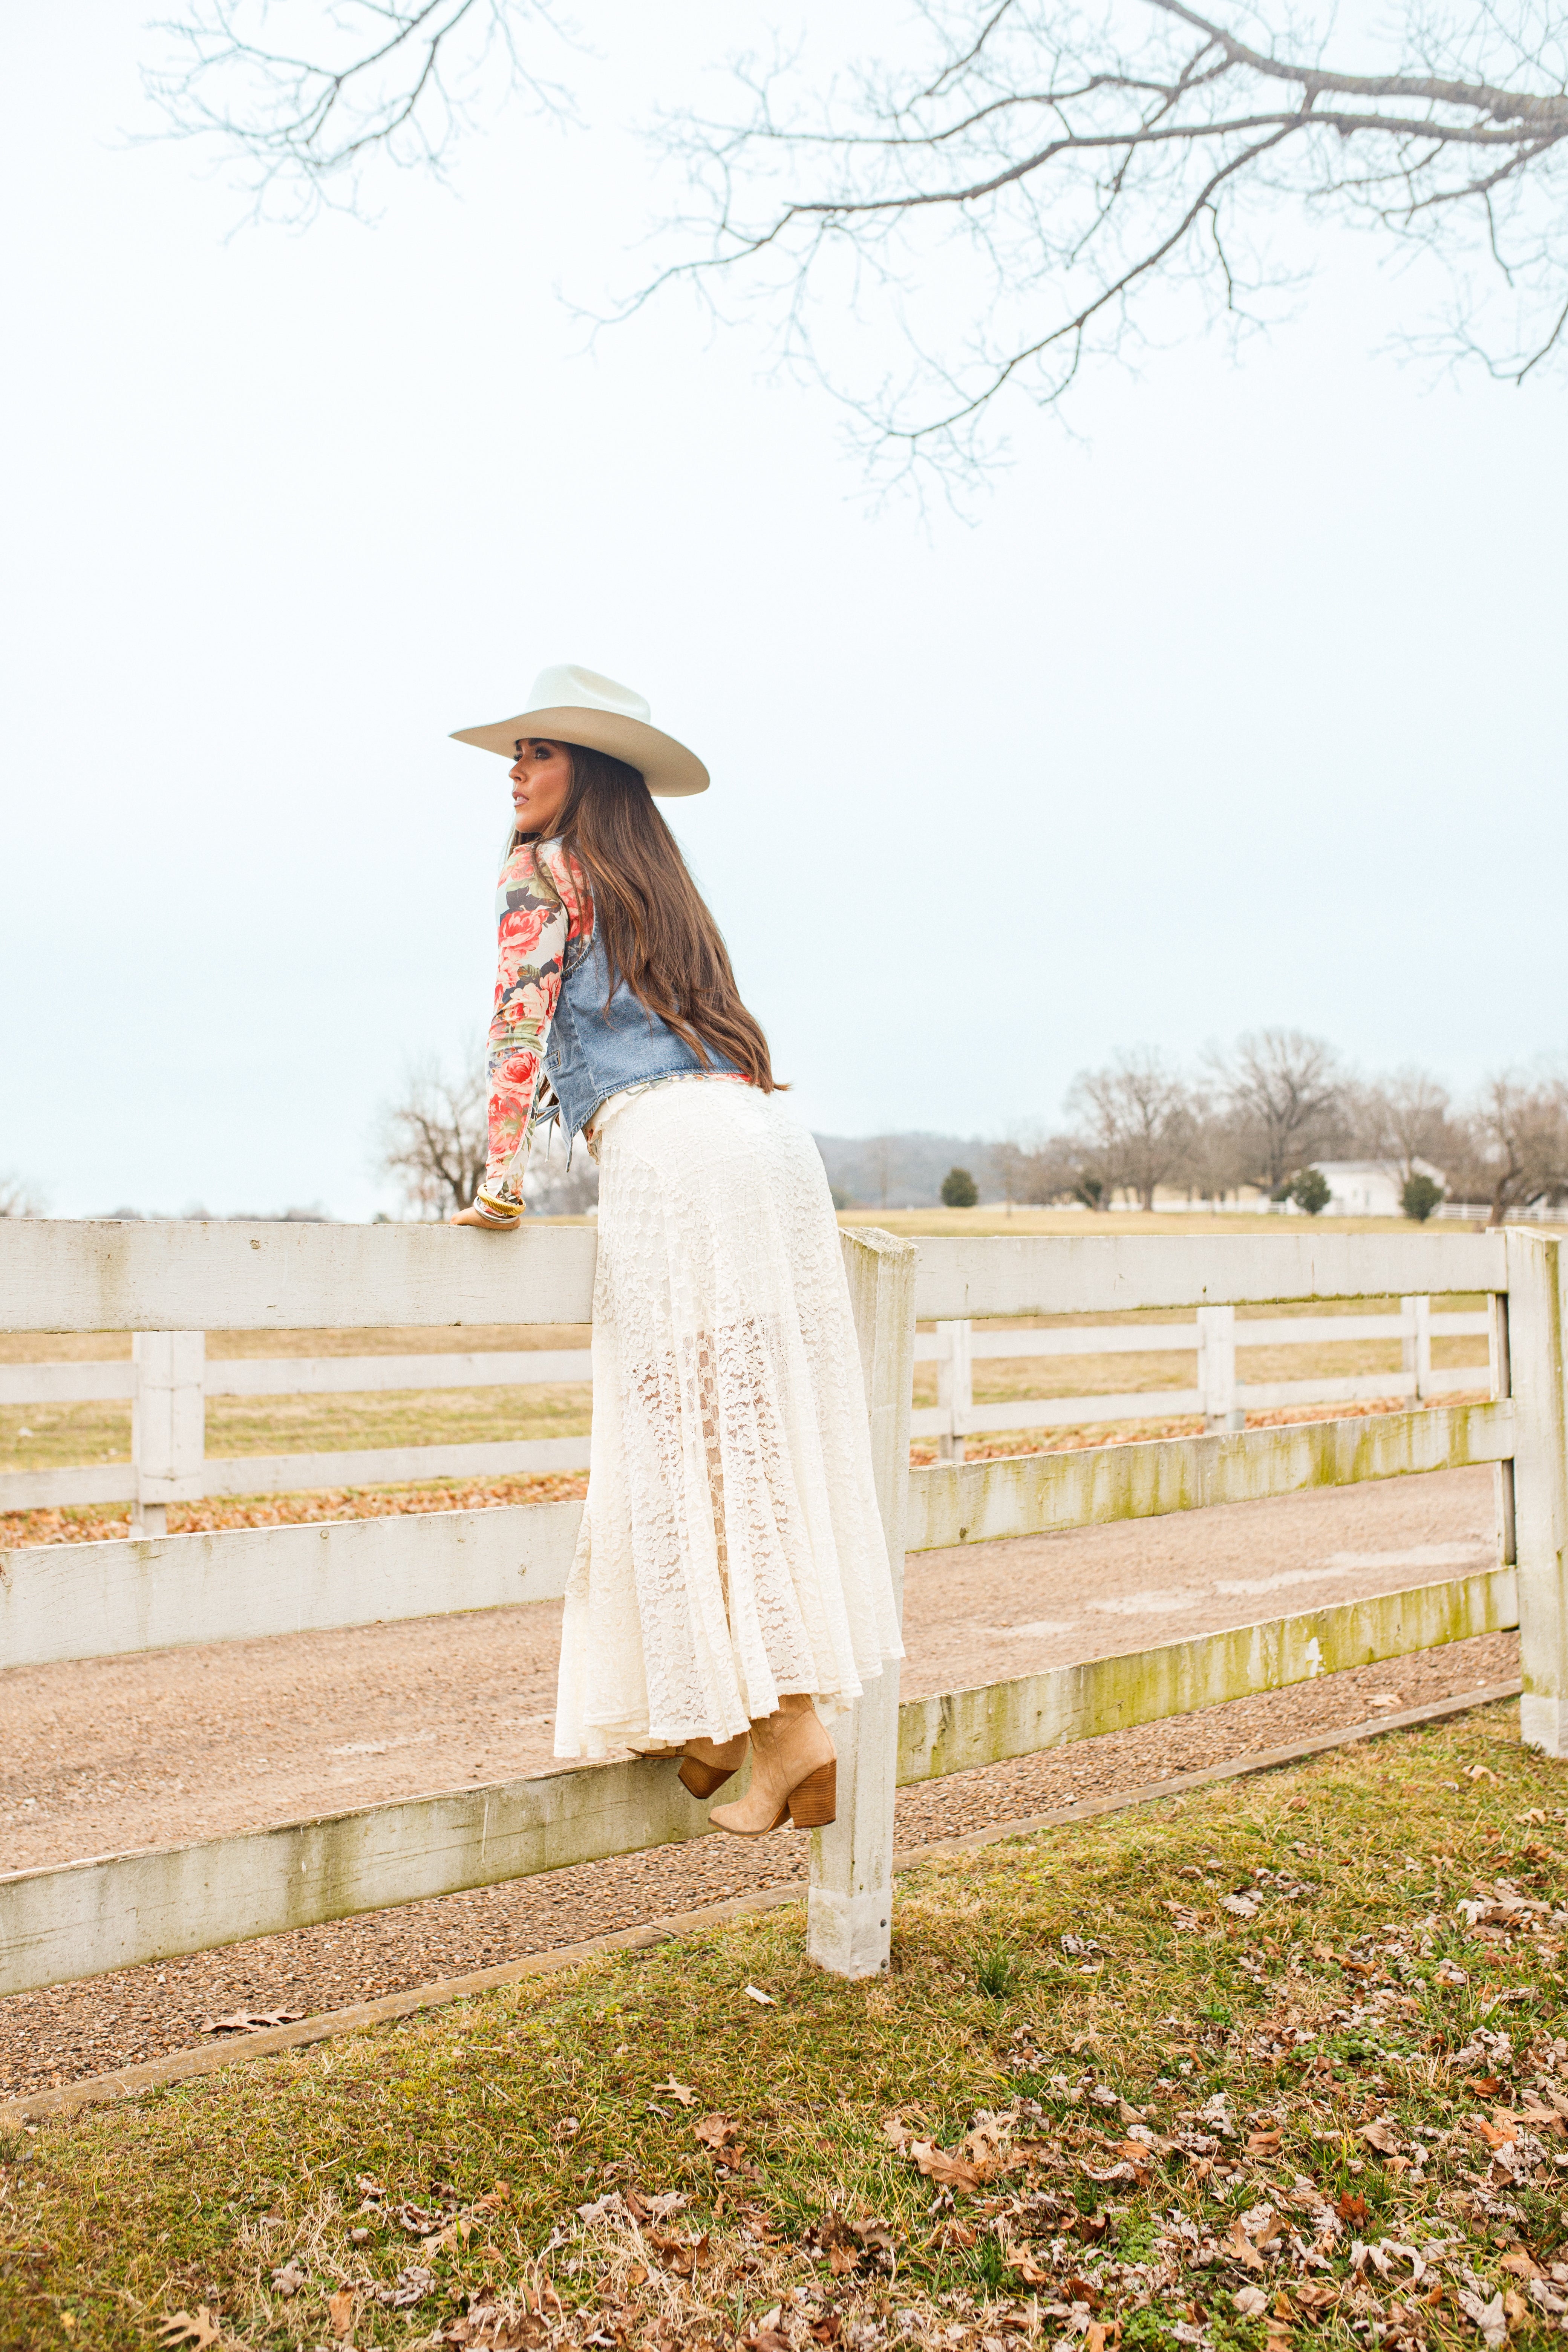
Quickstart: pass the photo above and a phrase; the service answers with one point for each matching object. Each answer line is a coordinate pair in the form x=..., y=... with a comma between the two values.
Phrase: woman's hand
x=487, y=1224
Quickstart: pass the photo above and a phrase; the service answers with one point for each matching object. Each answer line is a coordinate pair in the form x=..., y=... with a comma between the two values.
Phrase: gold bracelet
x=496, y=1212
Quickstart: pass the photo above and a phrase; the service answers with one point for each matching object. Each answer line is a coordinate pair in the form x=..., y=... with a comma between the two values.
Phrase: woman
x=731, y=1586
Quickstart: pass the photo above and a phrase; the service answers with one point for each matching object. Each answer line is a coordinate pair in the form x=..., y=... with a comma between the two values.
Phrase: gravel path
x=68, y=2031
x=105, y=1755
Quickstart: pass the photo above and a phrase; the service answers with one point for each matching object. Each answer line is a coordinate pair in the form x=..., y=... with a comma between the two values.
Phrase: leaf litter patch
x=1336, y=2115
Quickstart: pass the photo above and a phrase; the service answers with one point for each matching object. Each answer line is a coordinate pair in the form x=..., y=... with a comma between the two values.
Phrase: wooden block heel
x=814, y=1805
x=704, y=1779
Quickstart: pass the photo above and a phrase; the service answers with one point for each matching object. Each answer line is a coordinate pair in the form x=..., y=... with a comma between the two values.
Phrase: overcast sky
x=1243, y=707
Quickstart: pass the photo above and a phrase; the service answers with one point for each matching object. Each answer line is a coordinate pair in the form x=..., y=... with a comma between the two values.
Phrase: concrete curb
x=184, y=2066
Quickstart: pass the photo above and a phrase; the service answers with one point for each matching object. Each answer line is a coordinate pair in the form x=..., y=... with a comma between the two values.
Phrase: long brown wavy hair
x=658, y=936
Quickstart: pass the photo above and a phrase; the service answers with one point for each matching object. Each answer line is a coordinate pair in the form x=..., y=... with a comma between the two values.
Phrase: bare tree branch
x=1041, y=184
x=371, y=78
x=19, y=1198
x=1031, y=196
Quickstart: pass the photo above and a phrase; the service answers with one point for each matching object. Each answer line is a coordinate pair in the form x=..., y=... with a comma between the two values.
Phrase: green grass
x=58, y=1437
x=1139, y=2100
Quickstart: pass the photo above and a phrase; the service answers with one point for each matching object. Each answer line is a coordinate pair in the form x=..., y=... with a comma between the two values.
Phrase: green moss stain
x=1036, y=1493
x=965, y=1729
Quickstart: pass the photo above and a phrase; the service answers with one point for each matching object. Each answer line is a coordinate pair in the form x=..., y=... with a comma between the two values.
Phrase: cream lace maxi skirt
x=731, y=1548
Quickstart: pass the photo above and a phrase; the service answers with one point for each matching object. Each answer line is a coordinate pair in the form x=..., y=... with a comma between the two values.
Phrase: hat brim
x=666, y=767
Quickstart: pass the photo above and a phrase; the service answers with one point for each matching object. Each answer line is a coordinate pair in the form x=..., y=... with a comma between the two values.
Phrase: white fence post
x=1500, y=1366
x=168, y=1423
x=1216, y=1368
x=1538, y=1277
x=1416, y=1343
x=850, y=1908
x=954, y=1384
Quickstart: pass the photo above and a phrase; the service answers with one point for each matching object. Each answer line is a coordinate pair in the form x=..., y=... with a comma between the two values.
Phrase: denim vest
x=593, y=1050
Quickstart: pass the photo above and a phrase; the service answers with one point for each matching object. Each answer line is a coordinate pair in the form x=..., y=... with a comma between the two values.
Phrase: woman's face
x=540, y=780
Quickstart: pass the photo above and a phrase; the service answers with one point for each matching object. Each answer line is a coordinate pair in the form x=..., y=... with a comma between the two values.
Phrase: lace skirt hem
x=730, y=1549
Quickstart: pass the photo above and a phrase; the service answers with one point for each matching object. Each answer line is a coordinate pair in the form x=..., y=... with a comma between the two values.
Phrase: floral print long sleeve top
x=535, y=929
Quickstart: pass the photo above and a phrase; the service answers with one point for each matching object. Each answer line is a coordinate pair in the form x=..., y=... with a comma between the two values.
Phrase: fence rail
x=57, y=1924
x=1216, y=1338
x=72, y=1601
x=189, y=1472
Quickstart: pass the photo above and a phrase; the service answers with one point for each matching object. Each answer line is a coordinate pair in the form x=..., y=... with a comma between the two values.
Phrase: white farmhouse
x=1369, y=1188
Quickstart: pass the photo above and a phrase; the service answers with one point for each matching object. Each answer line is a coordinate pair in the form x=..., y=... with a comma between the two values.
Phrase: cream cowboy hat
x=569, y=705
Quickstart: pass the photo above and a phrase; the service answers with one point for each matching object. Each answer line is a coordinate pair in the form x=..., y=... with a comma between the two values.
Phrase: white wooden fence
x=1217, y=1395
x=75, y=1600
x=170, y=1378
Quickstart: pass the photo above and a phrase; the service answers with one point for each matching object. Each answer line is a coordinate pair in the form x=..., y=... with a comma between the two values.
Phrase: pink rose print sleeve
x=533, y=931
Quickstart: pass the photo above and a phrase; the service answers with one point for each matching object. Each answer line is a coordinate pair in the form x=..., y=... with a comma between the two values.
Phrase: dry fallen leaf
x=681, y=2091
x=947, y=2171
x=1017, y=2259
x=1519, y=2263
x=1250, y=2301
x=1351, y=2209
x=895, y=2131
x=413, y=2285
x=179, y=2327
x=289, y=2280
x=341, y=2307
x=681, y=2255
x=718, y=2132
x=767, y=2000
x=1382, y=2135
x=1265, y=2143
x=1241, y=2249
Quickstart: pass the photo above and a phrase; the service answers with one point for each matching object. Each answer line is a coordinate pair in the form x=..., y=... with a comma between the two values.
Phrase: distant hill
x=900, y=1172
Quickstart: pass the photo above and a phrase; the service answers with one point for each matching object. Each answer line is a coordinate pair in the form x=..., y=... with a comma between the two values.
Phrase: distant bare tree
x=1216, y=1162
x=1062, y=1168
x=1005, y=1164
x=1138, y=1115
x=1518, y=1132
x=1404, y=1118
x=551, y=1189
x=881, y=1163
x=434, y=1141
x=1286, y=1093
x=19, y=1198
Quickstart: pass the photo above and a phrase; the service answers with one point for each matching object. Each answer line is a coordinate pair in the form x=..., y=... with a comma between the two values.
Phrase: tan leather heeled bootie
x=706, y=1764
x=795, y=1773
